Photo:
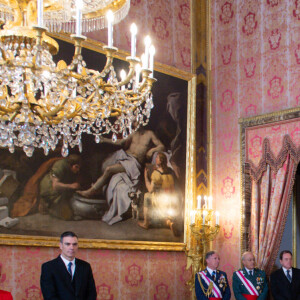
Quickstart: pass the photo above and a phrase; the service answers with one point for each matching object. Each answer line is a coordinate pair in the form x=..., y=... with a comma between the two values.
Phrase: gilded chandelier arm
x=133, y=62
x=146, y=80
x=109, y=60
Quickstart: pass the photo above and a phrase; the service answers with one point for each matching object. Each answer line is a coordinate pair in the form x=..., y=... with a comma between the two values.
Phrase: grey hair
x=209, y=254
x=245, y=253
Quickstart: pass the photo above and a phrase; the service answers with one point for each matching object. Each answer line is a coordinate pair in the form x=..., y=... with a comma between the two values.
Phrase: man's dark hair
x=67, y=233
x=209, y=254
x=74, y=159
x=284, y=252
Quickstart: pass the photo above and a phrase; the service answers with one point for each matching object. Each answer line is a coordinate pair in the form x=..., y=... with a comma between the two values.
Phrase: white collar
x=210, y=270
x=284, y=270
x=66, y=262
x=248, y=271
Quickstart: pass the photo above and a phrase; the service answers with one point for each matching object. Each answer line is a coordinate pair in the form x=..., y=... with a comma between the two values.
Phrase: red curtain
x=270, y=199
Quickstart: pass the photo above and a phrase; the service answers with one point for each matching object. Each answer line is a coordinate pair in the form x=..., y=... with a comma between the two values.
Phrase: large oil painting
x=130, y=190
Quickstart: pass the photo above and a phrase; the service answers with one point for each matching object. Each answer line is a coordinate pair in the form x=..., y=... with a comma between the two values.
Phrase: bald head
x=248, y=260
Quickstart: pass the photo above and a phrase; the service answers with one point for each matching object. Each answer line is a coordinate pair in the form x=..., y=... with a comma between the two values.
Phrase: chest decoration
x=222, y=282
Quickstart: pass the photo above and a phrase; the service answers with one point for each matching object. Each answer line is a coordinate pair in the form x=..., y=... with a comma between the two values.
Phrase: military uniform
x=203, y=285
x=258, y=280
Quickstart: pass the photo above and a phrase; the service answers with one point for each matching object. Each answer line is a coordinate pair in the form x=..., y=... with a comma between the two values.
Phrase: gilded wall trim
x=39, y=241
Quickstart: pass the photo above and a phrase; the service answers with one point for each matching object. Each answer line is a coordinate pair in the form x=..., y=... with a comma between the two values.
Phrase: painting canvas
x=115, y=209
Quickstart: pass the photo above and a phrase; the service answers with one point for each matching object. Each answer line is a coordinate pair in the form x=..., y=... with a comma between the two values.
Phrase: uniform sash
x=217, y=293
x=250, y=297
x=247, y=283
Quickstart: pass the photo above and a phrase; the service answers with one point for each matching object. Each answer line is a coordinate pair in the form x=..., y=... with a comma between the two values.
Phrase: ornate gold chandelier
x=42, y=102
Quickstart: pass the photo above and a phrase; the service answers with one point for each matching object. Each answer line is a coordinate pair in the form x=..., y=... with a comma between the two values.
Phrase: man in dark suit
x=249, y=282
x=67, y=277
x=212, y=283
x=285, y=282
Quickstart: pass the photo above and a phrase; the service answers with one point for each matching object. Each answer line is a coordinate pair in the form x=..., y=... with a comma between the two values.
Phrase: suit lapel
x=284, y=278
x=293, y=275
x=64, y=272
x=78, y=276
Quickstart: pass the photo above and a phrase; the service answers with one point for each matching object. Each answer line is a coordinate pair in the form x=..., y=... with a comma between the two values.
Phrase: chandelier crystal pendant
x=42, y=102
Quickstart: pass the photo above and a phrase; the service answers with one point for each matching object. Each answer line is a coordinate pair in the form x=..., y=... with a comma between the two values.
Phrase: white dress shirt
x=210, y=271
x=66, y=262
x=248, y=271
x=291, y=271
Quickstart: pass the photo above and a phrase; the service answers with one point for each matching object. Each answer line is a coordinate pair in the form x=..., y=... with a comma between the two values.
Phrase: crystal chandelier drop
x=42, y=102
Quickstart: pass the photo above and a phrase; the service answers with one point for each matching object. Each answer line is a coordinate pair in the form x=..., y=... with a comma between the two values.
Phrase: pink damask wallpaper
x=255, y=70
x=132, y=275
x=121, y=274
x=168, y=24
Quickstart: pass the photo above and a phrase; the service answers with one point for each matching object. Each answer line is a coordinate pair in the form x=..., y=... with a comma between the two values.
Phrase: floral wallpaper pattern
x=255, y=70
x=118, y=274
x=168, y=24
x=121, y=274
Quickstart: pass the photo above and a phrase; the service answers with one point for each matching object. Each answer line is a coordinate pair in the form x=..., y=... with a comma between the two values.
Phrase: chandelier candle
x=78, y=16
x=198, y=202
x=40, y=12
x=151, y=59
x=137, y=74
x=110, y=19
x=133, y=30
x=147, y=46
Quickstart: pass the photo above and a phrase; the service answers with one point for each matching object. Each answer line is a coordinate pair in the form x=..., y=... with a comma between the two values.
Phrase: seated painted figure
x=122, y=171
x=161, y=202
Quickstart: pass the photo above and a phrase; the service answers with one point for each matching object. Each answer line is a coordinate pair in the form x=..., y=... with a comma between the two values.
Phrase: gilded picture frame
x=9, y=236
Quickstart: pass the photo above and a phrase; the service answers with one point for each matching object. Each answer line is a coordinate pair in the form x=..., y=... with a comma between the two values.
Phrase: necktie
x=288, y=276
x=251, y=273
x=214, y=275
x=70, y=268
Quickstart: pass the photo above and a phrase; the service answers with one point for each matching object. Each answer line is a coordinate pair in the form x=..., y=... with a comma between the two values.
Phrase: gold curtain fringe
x=268, y=157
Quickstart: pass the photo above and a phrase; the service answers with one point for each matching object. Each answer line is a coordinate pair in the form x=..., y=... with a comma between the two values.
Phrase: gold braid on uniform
x=209, y=289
